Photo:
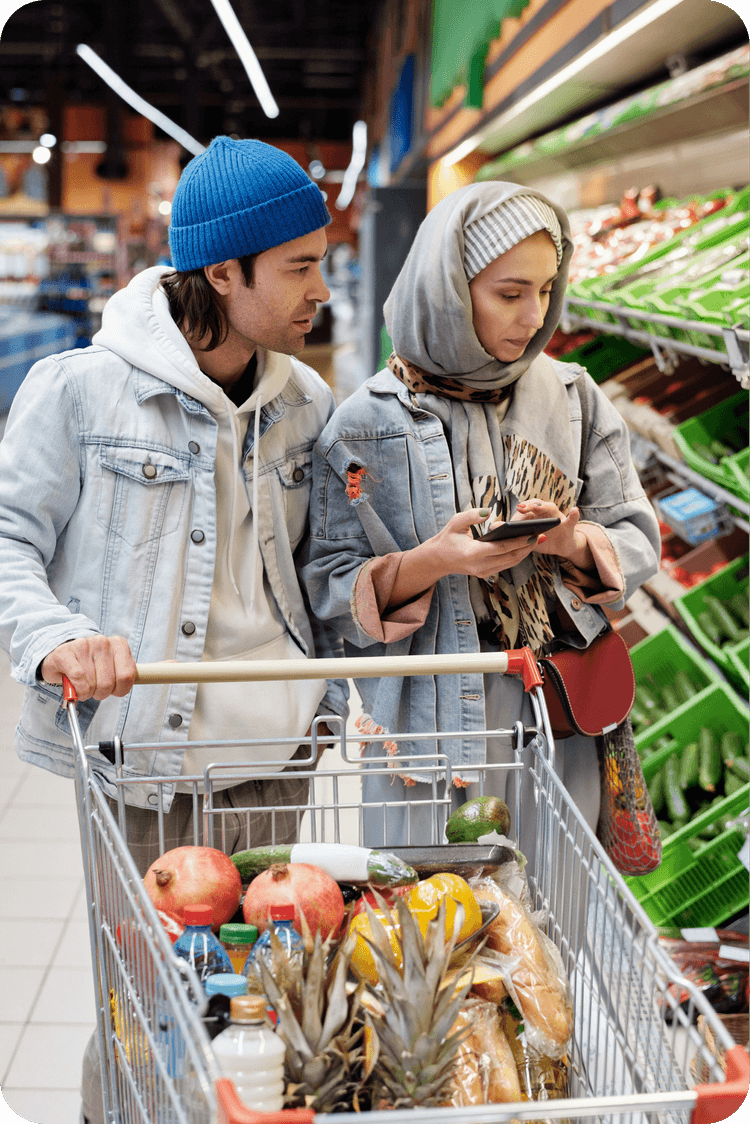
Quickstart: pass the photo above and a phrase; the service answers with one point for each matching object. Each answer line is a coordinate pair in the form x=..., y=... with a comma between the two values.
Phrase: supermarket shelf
x=680, y=473
x=664, y=348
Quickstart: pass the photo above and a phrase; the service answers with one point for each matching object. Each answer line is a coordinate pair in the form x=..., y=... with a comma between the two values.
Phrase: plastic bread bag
x=486, y=1071
x=534, y=974
x=540, y=1078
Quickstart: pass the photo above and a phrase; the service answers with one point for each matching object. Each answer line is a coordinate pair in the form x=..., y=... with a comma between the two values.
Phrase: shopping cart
x=637, y=1042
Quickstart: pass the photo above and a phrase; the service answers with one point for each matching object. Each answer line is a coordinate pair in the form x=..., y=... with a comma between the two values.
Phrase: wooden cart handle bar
x=520, y=662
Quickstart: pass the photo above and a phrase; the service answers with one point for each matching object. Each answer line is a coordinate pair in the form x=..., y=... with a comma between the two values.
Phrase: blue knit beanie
x=241, y=197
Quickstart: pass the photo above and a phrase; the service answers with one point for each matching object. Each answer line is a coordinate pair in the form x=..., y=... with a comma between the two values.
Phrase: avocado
x=478, y=817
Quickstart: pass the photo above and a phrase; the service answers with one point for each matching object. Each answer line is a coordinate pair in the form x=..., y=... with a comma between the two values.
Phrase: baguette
x=540, y=990
x=485, y=1067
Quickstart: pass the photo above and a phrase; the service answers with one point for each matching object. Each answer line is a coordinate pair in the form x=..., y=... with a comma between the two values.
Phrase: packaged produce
x=534, y=975
x=341, y=861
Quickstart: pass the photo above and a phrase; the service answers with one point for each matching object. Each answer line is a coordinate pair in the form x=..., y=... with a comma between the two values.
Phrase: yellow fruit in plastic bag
x=363, y=961
x=424, y=901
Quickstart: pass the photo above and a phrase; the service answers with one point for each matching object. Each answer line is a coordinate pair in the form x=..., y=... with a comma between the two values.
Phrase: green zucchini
x=341, y=861
x=656, y=791
x=684, y=685
x=670, y=698
x=723, y=618
x=708, y=626
x=732, y=783
x=710, y=764
x=646, y=699
x=689, y=765
x=675, y=801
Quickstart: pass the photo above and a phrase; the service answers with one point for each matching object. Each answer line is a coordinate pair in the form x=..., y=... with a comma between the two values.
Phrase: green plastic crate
x=605, y=356
x=732, y=579
x=737, y=666
x=658, y=658
x=690, y=889
x=721, y=419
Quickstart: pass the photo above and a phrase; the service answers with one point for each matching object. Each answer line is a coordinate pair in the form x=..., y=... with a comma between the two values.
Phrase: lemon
x=363, y=961
x=424, y=901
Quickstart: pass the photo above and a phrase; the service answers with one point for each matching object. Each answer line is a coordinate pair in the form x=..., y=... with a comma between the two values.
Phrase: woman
x=472, y=424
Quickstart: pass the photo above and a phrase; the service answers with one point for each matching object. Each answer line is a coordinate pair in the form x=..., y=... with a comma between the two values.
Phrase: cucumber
x=665, y=829
x=670, y=698
x=730, y=747
x=710, y=763
x=656, y=791
x=342, y=862
x=723, y=618
x=675, y=801
x=741, y=606
x=741, y=768
x=704, y=452
x=645, y=697
x=684, y=685
x=732, y=783
x=689, y=765
x=707, y=625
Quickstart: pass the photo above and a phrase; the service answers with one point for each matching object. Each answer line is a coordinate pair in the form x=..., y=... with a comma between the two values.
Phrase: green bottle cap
x=238, y=934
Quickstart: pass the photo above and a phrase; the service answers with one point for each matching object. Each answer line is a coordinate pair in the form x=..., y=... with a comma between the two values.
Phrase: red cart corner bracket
x=717, y=1102
x=521, y=662
x=231, y=1110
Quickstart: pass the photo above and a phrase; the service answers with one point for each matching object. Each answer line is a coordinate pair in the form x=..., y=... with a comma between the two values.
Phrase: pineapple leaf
x=312, y=992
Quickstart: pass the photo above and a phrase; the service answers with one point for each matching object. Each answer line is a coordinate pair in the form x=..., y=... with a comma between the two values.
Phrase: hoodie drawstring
x=256, y=493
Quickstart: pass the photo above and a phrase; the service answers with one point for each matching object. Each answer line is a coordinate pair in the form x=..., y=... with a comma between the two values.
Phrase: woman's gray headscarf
x=428, y=312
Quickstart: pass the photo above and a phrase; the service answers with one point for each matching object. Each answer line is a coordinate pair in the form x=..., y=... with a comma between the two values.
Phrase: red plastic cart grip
x=717, y=1102
x=69, y=692
x=231, y=1110
x=521, y=662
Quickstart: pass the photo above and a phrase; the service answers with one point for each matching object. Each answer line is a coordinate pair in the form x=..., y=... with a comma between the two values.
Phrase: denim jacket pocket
x=295, y=477
x=142, y=492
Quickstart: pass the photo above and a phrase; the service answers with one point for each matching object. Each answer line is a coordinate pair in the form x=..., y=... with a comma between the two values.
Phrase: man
x=154, y=491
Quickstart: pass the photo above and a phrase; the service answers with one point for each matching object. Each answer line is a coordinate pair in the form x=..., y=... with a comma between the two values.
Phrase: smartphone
x=520, y=529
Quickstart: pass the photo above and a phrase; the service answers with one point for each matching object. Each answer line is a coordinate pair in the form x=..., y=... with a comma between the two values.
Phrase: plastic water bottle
x=202, y=950
x=290, y=978
x=252, y=1055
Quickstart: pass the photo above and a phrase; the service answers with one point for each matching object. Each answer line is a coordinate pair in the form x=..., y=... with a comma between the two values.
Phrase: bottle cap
x=198, y=914
x=223, y=983
x=281, y=912
x=247, y=1008
x=238, y=934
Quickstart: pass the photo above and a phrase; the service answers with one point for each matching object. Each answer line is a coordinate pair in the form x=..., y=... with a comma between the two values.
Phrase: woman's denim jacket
x=407, y=496
x=90, y=543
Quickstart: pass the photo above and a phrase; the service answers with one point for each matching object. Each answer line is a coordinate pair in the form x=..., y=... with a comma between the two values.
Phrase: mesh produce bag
x=627, y=828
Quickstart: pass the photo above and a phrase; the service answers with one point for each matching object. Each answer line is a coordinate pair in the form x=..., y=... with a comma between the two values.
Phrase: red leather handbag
x=589, y=690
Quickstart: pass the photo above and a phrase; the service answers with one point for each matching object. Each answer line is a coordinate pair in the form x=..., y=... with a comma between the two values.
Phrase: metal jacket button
x=175, y=720
x=194, y=447
x=575, y=603
x=298, y=475
x=188, y=628
x=197, y=536
x=149, y=471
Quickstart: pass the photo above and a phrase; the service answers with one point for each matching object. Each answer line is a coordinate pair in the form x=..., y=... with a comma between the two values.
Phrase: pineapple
x=413, y=1052
x=324, y=1036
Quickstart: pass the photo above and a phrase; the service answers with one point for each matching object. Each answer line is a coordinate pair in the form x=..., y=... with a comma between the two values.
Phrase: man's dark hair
x=196, y=307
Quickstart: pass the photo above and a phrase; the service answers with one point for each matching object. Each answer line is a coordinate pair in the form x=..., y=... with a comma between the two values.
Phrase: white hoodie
x=137, y=325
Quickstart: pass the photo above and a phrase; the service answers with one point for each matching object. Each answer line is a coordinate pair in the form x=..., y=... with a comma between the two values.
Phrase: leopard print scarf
x=497, y=468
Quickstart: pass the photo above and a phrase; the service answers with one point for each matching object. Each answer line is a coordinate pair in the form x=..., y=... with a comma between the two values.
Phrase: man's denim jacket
x=407, y=496
x=90, y=543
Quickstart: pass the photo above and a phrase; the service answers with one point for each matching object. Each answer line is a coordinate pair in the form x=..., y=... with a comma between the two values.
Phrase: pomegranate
x=195, y=876
x=308, y=888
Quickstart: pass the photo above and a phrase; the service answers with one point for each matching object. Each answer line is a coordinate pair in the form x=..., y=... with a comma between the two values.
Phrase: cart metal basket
x=636, y=1045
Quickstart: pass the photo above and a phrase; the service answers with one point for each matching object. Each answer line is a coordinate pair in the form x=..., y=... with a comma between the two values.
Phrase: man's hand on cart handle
x=97, y=666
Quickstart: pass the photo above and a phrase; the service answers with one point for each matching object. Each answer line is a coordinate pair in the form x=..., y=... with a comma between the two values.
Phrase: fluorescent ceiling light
x=41, y=155
x=247, y=56
x=137, y=102
x=356, y=164
x=604, y=46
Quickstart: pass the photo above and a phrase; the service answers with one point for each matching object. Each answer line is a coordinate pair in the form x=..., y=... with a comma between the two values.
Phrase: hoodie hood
x=428, y=312
x=137, y=326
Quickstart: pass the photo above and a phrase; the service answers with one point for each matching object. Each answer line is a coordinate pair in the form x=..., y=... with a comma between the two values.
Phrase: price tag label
x=701, y=936
x=734, y=952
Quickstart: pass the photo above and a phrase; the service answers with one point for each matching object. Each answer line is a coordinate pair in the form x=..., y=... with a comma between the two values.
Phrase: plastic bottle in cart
x=282, y=923
x=252, y=1055
x=237, y=941
x=202, y=950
